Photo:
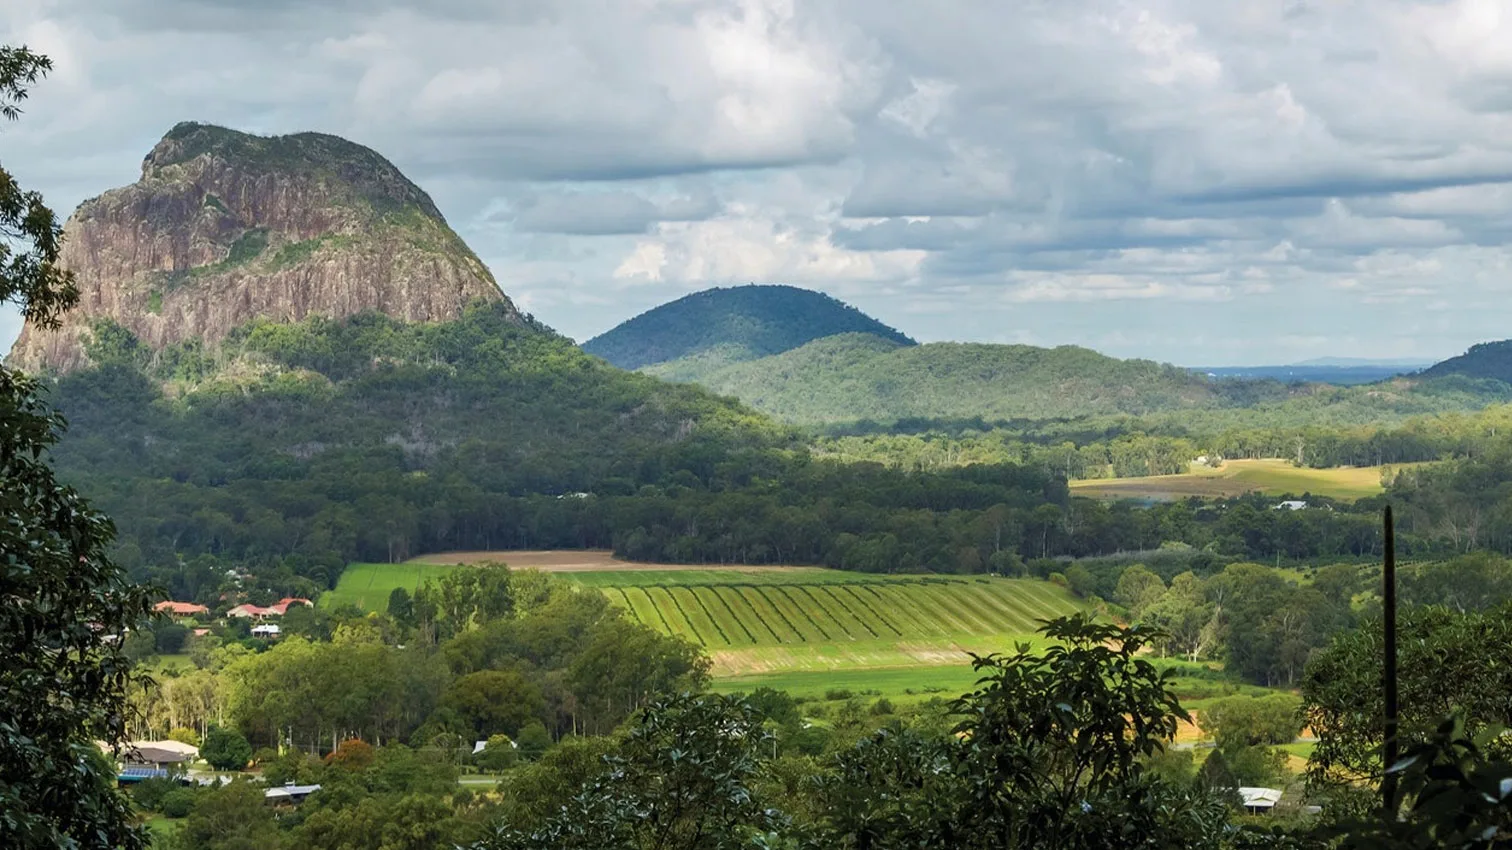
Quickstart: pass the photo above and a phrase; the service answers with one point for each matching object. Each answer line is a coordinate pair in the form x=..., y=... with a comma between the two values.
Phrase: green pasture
x=368, y=586
x=1237, y=477
x=898, y=684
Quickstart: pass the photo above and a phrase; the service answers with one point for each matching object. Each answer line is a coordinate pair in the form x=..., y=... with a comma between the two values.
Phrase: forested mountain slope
x=1487, y=360
x=719, y=326
x=856, y=376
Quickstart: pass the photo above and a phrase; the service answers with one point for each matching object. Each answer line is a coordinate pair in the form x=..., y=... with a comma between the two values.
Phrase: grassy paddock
x=368, y=586
x=1238, y=477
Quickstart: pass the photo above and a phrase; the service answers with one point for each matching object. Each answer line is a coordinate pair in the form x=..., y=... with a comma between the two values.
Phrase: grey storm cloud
x=1124, y=176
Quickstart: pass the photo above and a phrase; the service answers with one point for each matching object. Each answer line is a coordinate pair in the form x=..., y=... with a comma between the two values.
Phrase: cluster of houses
x=143, y=760
x=246, y=611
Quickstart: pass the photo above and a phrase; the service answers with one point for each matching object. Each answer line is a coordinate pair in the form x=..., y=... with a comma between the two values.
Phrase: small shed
x=1259, y=801
x=290, y=794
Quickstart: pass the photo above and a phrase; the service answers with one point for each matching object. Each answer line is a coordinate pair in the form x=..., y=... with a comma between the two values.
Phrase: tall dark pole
x=1389, y=617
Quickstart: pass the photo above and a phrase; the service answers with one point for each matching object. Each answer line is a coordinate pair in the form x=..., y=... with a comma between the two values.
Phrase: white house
x=1290, y=505
x=265, y=630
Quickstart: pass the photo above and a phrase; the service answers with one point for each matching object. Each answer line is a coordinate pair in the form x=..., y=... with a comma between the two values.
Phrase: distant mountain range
x=807, y=358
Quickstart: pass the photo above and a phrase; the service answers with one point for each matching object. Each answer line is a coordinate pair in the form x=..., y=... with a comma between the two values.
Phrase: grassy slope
x=1237, y=477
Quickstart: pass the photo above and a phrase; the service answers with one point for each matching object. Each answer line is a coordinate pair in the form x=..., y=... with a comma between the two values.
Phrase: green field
x=368, y=585
x=914, y=632
x=780, y=624
x=1237, y=477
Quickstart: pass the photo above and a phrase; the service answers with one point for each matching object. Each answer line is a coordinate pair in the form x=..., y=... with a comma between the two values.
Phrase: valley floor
x=1238, y=477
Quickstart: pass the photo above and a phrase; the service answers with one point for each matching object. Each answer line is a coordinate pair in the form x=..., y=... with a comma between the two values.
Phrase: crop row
x=764, y=615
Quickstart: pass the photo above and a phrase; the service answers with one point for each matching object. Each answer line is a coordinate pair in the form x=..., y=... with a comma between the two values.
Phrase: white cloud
x=1052, y=171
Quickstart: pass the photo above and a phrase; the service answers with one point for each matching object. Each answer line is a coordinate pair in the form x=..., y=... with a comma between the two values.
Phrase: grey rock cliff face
x=224, y=227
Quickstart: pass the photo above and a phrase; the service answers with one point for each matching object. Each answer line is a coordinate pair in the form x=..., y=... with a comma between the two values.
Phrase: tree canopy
x=63, y=674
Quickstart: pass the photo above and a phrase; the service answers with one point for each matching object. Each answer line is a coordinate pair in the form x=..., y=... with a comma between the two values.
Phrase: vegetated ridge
x=225, y=227
x=1486, y=360
x=853, y=377
x=719, y=326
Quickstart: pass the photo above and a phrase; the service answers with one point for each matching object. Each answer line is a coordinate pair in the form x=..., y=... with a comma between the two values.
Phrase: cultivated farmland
x=763, y=621
x=814, y=620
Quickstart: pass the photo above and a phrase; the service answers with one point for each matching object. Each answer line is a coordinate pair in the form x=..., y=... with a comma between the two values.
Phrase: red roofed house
x=277, y=609
x=180, y=609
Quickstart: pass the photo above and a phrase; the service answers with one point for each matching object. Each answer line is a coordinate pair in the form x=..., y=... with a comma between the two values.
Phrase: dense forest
x=1125, y=447
x=295, y=449
x=860, y=382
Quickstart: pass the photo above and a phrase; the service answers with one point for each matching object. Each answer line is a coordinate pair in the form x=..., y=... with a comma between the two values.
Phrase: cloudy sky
x=1194, y=181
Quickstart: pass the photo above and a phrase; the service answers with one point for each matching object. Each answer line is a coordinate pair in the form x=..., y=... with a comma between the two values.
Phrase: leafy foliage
x=682, y=778
x=226, y=749
x=1050, y=752
x=63, y=674
x=1448, y=662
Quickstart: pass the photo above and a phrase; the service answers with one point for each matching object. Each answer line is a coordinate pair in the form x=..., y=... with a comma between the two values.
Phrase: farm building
x=154, y=759
x=180, y=609
x=1290, y=505
x=256, y=612
x=1259, y=801
x=290, y=794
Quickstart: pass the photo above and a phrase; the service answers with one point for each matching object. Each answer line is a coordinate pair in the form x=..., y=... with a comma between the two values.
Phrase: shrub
x=882, y=706
x=226, y=749
x=352, y=754
x=533, y=739
x=835, y=694
x=178, y=803
x=499, y=754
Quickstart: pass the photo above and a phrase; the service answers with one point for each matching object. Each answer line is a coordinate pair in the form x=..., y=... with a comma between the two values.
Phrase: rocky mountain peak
x=224, y=227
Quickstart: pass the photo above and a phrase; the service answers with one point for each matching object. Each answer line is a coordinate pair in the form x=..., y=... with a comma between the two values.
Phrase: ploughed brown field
x=573, y=561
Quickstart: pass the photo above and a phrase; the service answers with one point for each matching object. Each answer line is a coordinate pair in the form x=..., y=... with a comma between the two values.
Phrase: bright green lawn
x=947, y=681
x=368, y=585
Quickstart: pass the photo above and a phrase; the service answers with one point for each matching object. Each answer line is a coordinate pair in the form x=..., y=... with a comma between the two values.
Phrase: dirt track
x=569, y=561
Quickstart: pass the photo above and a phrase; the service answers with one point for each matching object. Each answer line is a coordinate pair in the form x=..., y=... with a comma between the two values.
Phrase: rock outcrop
x=225, y=227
